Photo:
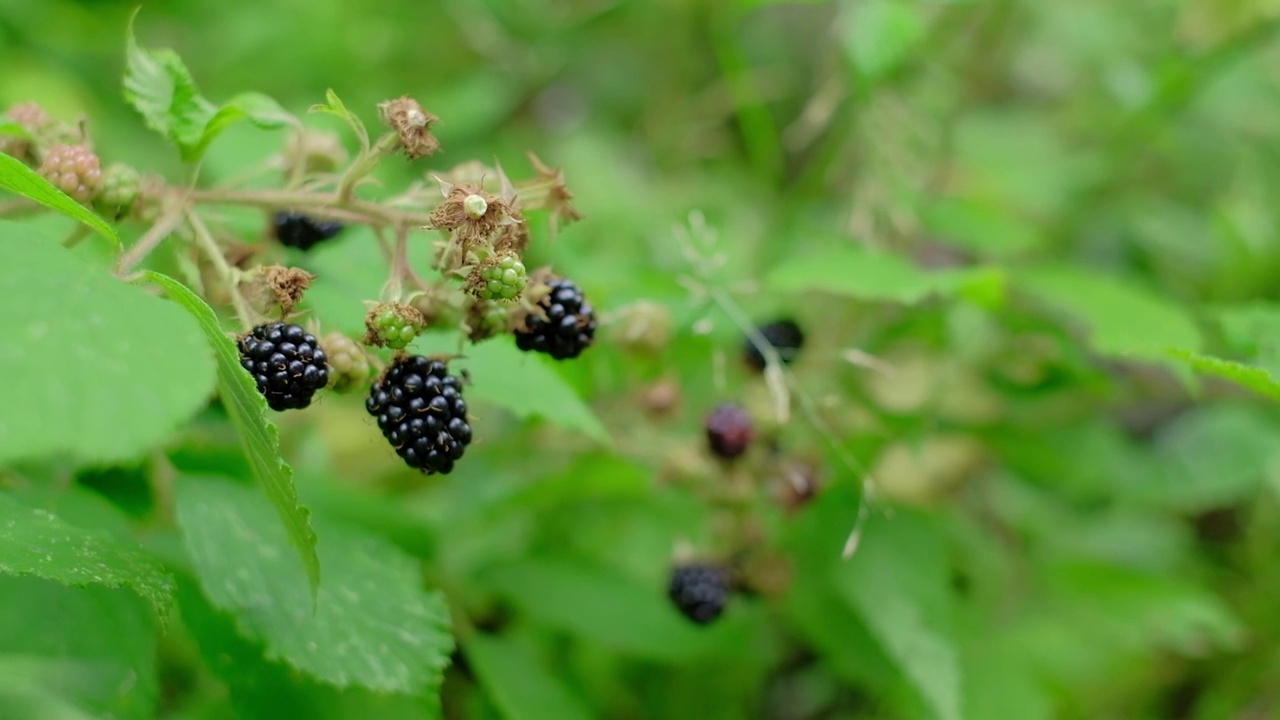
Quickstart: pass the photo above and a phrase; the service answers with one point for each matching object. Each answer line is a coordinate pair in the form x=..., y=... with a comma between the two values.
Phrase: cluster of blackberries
x=303, y=232
x=286, y=362
x=420, y=411
x=565, y=327
x=700, y=591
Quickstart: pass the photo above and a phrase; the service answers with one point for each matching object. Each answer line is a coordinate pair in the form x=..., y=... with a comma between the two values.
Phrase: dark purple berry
x=286, y=362
x=568, y=328
x=700, y=591
x=303, y=232
x=420, y=411
x=729, y=430
x=784, y=335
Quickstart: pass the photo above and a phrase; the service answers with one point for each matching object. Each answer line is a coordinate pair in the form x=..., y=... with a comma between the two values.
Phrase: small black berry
x=729, y=430
x=568, y=328
x=420, y=411
x=286, y=362
x=784, y=335
x=700, y=591
x=303, y=232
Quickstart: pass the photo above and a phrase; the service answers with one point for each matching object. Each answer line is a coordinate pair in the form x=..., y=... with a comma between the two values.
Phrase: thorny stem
x=229, y=275
x=365, y=164
x=164, y=226
x=320, y=204
x=78, y=233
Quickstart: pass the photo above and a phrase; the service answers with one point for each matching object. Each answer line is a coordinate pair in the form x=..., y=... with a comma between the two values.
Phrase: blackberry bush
x=729, y=430
x=286, y=362
x=303, y=232
x=563, y=326
x=700, y=591
x=784, y=335
x=420, y=411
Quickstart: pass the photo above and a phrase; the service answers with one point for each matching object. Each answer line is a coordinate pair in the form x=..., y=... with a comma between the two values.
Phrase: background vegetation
x=1034, y=248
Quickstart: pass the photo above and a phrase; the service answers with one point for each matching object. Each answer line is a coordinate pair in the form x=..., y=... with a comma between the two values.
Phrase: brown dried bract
x=286, y=285
x=412, y=123
x=558, y=197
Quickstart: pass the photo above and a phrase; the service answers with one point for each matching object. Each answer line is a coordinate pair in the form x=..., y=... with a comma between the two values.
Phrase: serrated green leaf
x=248, y=411
x=94, y=646
x=602, y=606
x=899, y=585
x=160, y=87
x=80, y=353
x=36, y=542
x=261, y=112
x=1255, y=378
x=859, y=272
x=519, y=684
x=373, y=625
x=1123, y=318
x=878, y=35
x=18, y=178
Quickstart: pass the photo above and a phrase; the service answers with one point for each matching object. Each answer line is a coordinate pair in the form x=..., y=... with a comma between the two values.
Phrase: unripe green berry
x=502, y=277
x=486, y=319
x=393, y=325
x=120, y=187
x=348, y=366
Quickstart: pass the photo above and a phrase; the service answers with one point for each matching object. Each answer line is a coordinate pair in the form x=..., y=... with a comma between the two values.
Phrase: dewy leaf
x=1123, y=318
x=36, y=542
x=859, y=272
x=93, y=646
x=160, y=87
x=373, y=625
x=1255, y=378
x=898, y=583
x=96, y=369
x=520, y=685
x=248, y=411
x=18, y=178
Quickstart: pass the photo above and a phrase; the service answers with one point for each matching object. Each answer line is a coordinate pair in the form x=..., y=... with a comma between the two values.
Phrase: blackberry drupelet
x=700, y=591
x=784, y=335
x=568, y=328
x=420, y=411
x=729, y=430
x=303, y=232
x=286, y=362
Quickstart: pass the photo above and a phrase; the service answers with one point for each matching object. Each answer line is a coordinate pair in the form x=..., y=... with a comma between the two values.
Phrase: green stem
x=163, y=227
x=229, y=276
x=365, y=164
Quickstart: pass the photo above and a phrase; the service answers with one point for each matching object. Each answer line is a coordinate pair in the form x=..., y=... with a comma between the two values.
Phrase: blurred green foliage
x=1032, y=246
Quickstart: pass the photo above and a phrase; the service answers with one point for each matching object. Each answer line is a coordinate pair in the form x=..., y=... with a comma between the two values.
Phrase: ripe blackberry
x=568, y=328
x=700, y=591
x=729, y=430
x=74, y=169
x=303, y=232
x=421, y=412
x=784, y=335
x=286, y=362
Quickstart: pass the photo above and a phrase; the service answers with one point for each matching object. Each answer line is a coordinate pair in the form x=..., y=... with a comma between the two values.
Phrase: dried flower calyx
x=412, y=123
